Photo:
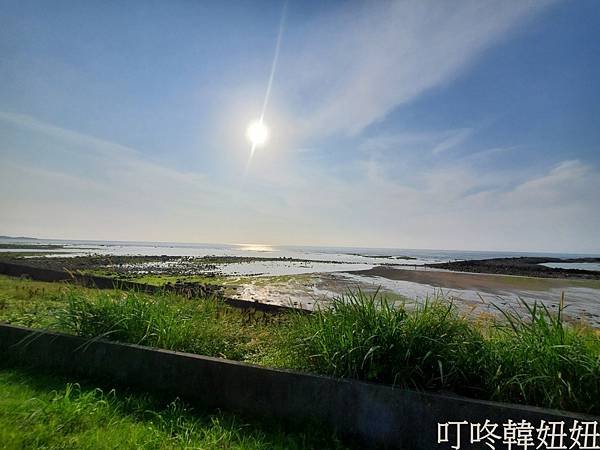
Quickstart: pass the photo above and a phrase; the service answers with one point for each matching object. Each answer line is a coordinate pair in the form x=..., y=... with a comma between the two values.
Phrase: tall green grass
x=373, y=339
x=534, y=358
x=29, y=303
x=537, y=358
x=205, y=326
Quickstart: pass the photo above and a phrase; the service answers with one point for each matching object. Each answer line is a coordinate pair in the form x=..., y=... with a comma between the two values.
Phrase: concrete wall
x=373, y=414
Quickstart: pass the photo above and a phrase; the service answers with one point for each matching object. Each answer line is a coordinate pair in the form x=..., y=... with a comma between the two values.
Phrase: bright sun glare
x=257, y=133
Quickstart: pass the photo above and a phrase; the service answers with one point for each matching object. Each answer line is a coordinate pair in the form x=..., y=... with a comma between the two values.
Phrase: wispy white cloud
x=435, y=142
x=116, y=159
x=397, y=141
x=86, y=180
x=356, y=65
x=489, y=152
x=108, y=149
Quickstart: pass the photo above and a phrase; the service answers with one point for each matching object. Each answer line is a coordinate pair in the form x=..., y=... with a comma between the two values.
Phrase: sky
x=467, y=125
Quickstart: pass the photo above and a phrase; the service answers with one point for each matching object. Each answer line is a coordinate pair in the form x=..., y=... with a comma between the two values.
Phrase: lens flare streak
x=257, y=131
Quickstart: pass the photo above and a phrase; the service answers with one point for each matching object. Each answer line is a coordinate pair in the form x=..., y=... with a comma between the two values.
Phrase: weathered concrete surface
x=94, y=281
x=374, y=414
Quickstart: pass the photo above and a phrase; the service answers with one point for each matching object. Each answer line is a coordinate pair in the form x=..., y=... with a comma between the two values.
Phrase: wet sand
x=476, y=293
x=490, y=283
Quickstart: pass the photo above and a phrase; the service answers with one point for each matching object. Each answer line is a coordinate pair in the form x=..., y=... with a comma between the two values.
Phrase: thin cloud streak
x=456, y=138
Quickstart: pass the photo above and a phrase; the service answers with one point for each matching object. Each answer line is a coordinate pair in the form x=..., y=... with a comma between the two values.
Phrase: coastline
x=305, y=281
x=523, y=266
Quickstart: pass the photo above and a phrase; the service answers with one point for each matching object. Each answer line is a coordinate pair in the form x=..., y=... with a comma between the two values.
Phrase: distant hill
x=19, y=238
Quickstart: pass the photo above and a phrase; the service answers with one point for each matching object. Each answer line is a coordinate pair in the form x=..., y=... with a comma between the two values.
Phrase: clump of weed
x=539, y=359
x=167, y=321
x=370, y=338
x=534, y=357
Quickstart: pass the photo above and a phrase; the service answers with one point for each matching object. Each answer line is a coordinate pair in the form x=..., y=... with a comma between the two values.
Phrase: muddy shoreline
x=481, y=282
x=124, y=266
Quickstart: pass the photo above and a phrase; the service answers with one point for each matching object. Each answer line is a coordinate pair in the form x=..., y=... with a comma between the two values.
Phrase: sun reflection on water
x=256, y=248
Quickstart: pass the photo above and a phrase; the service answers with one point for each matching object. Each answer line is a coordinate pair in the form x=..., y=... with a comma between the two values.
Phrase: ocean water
x=319, y=259
x=339, y=254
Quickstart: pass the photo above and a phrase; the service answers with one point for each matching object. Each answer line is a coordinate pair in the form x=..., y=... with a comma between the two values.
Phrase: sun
x=257, y=133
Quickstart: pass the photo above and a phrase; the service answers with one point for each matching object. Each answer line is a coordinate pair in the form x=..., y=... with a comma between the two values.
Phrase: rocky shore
x=523, y=266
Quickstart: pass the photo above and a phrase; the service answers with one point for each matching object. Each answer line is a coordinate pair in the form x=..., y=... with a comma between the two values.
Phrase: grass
x=160, y=280
x=272, y=279
x=368, y=338
x=32, y=303
x=534, y=358
x=161, y=320
x=42, y=411
x=206, y=327
x=542, y=361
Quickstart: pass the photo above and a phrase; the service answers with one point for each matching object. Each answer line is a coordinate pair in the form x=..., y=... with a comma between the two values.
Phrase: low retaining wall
x=374, y=414
x=35, y=273
x=41, y=274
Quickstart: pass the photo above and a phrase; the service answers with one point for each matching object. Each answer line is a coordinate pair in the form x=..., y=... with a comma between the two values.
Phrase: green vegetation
x=165, y=320
x=160, y=280
x=206, y=327
x=370, y=338
x=536, y=358
x=540, y=360
x=272, y=279
x=41, y=411
x=33, y=303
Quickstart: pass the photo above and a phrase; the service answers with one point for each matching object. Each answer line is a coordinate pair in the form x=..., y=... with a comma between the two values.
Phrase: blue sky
x=414, y=124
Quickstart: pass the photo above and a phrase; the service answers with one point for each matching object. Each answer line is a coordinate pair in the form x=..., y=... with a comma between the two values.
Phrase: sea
x=315, y=259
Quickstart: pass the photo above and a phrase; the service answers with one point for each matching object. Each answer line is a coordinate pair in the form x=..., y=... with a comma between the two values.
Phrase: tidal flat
x=310, y=277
